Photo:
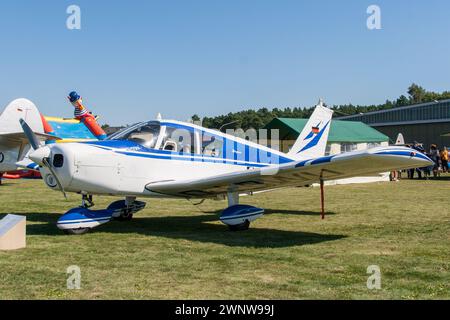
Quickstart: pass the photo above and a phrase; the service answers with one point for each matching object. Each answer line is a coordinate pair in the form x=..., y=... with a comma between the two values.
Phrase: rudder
x=20, y=109
x=312, y=141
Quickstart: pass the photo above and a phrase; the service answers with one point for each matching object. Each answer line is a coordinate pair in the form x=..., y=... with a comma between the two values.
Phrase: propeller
x=40, y=154
x=32, y=139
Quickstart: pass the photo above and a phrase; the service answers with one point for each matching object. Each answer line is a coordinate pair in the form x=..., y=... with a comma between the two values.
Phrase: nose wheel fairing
x=83, y=219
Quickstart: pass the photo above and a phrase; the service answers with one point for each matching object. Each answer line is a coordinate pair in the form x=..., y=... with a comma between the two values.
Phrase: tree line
x=259, y=118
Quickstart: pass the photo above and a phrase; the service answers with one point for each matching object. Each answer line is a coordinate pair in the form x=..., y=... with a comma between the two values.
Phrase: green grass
x=173, y=249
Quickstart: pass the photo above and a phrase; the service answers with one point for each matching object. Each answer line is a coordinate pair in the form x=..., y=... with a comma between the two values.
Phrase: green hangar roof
x=340, y=131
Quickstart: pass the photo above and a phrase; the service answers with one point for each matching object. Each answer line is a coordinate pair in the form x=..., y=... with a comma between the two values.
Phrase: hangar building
x=426, y=123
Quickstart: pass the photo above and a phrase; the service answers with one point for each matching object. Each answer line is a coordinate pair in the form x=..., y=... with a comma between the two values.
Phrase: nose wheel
x=76, y=231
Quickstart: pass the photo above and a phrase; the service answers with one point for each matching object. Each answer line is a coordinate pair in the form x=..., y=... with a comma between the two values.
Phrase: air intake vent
x=58, y=160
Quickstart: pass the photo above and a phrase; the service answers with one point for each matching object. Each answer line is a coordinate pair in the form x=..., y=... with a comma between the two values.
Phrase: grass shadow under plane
x=193, y=228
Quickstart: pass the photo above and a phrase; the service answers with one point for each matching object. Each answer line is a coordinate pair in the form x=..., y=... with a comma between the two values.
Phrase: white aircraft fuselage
x=126, y=167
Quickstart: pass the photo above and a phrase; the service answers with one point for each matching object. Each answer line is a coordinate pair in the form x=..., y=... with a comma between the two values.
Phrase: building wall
x=426, y=133
x=424, y=123
x=424, y=112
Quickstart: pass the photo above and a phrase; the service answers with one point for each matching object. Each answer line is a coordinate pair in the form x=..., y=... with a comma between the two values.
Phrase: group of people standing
x=438, y=156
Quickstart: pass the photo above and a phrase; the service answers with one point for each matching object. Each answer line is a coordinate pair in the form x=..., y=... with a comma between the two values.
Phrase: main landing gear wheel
x=239, y=216
x=76, y=231
x=240, y=227
x=125, y=216
x=123, y=210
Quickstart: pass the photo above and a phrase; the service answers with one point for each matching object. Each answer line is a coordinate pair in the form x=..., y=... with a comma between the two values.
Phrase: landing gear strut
x=86, y=201
x=322, y=198
x=233, y=200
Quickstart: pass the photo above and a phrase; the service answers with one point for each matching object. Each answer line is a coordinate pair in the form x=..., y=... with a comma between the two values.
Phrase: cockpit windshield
x=145, y=134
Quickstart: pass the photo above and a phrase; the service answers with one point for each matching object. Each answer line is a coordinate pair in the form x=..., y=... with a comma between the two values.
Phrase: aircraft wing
x=20, y=136
x=297, y=173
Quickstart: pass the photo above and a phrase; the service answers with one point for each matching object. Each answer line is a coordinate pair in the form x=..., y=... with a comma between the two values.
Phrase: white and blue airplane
x=13, y=142
x=167, y=158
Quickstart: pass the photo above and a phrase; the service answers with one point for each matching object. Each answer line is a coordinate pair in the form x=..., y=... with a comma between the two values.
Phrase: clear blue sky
x=132, y=59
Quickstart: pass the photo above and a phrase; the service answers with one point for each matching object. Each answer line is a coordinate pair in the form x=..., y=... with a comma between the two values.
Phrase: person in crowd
x=418, y=147
x=410, y=172
x=444, y=159
x=393, y=176
x=436, y=157
x=427, y=170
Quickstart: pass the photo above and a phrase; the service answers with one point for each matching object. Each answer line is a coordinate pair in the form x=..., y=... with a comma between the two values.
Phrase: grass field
x=173, y=249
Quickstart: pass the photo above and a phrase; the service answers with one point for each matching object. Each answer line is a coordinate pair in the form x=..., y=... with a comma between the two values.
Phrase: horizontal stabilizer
x=20, y=136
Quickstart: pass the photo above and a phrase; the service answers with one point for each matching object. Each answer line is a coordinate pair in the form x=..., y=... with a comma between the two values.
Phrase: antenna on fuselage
x=158, y=116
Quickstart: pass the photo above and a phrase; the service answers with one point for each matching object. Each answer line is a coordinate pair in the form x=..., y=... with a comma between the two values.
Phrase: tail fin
x=400, y=140
x=20, y=109
x=312, y=141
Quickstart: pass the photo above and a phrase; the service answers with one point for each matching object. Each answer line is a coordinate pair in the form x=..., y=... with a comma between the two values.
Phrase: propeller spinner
x=40, y=155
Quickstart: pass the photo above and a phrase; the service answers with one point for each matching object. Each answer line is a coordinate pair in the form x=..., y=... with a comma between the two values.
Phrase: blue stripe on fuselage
x=131, y=148
x=191, y=158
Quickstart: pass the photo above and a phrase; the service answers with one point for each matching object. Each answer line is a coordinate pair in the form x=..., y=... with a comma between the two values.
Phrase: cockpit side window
x=179, y=140
x=146, y=135
x=212, y=145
